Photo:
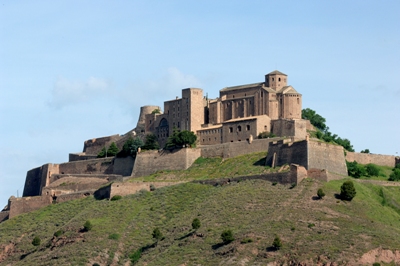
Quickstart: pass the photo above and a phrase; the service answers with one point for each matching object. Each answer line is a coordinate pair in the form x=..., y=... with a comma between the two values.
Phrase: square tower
x=276, y=80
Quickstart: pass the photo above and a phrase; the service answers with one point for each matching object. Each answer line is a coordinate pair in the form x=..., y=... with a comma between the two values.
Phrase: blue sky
x=76, y=70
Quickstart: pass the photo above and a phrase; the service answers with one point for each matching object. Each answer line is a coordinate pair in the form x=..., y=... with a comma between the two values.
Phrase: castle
x=240, y=112
x=226, y=127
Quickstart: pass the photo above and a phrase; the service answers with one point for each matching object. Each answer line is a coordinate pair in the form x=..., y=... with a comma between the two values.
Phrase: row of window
x=239, y=128
x=213, y=131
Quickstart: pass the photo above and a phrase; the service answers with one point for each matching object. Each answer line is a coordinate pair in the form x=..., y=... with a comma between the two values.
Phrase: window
x=248, y=127
x=298, y=102
x=265, y=128
x=279, y=79
x=179, y=124
x=230, y=129
x=239, y=128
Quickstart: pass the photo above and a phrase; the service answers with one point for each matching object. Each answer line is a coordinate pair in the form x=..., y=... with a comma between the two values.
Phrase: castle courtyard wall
x=366, y=158
x=149, y=162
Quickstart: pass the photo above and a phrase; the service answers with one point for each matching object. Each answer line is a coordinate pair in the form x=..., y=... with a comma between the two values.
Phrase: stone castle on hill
x=225, y=127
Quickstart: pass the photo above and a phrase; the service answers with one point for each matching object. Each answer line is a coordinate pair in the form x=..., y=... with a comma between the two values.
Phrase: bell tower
x=276, y=80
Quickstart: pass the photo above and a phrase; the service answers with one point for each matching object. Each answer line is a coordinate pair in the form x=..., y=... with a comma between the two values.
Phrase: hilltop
x=312, y=231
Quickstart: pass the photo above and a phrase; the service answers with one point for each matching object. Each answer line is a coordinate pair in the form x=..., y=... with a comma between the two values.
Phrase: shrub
x=152, y=187
x=246, y=240
x=157, y=235
x=87, y=226
x=292, y=186
x=395, y=175
x=134, y=257
x=58, y=233
x=112, y=150
x=372, y=169
x=347, y=191
x=320, y=193
x=227, y=236
x=376, y=264
x=274, y=183
x=131, y=147
x=181, y=138
x=116, y=197
x=265, y=134
x=36, y=241
x=102, y=153
x=355, y=170
x=114, y=236
x=95, y=264
x=196, y=224
x=277, y=243
x=311, y=225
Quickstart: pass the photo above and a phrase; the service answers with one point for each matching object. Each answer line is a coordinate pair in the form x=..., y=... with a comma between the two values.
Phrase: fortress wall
x=94, y=146
x=28, y=204
x=38, y=178
x=80, y=156
x=326, y=156
x=123, y=166
x=280, y=153
x=95, y=166
x=366, y=158
x=73, y=196
x=289, y=127
x=233, y=149
x=149, y=162
x=124, y=189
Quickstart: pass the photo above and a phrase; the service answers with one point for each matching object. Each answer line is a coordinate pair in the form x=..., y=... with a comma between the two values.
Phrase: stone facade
x=238, y=114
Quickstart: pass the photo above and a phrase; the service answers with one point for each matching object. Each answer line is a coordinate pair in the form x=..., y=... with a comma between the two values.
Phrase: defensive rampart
x=310, y=154
x=233, y=149
x=94, y=146
x=366, y=158
x=27, y=204
x=149, y=162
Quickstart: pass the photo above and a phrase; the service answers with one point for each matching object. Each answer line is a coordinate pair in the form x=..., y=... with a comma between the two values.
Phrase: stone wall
x=129, y=188
x=80, y=156
x=280, y=153
x=28, y=204
x=233, y=149
x=149, y=162
x=123, y=166
x=366, y=158
x=326, y=156
x=95, y=166
x=94, y=146
x=73, y=196
x=4, y=215
x=38, y=178
x=289, y=127
x=296, y=174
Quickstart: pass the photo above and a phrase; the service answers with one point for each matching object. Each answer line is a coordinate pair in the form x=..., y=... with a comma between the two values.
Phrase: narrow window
x=231, y=129
x=239, y=128
x=248, y=127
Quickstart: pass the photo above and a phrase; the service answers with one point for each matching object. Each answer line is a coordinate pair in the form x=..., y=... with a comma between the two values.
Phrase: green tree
x=372, y=169
x=157, y=235
x=320, y=193
x=151, y=142
x=102, y=153
x=181, y=138
x=347, y=191
x=156, y=111
x=395, y=175
x=131, y=147
x=315, y=119
x=112, y=150
x=277, y=243
x=355, y=170
x=87, y=226
x=227, y=236
x=36, y=241
x=196, y=224
x=365, y=151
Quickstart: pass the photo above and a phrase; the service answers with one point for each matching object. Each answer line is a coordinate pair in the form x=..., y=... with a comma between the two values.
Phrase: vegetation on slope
x=255, y=211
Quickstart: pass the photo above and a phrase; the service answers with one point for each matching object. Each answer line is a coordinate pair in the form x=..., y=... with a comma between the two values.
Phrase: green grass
x=252, y=209
x=211, y=168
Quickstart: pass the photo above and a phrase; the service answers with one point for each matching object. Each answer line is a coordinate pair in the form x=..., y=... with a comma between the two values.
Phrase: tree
x=347, y=191
x=131, y=147
x=196, y=224
x=156, y=111
x=36, y=241
x=87, y=226
x=395, y=175
x=355, y=170
x=151, y=142
x=320, y=193
x=181, y=138
x=227, y=236
x=112, y=150
x=102, y=153
x=157, y=235
x=365, y=151
x=372, y=169
x=277, y=243
x=315, y=119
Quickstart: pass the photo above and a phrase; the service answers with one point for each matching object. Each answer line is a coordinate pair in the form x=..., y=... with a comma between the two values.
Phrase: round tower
x=145, y=110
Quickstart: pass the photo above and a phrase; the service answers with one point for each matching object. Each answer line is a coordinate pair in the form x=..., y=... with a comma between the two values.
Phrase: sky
x=76, y=70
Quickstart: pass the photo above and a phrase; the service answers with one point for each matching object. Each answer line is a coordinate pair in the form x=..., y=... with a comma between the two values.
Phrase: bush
x=36, y=241
x=131, y=147
x=58, y=233
x=152, y=187
x=277, y=243
x=157, y=235
x=355, y=170
x=347, y=191
x=116, y=197
x=246, y=240
x=87, y=226
x=196, y=224
x=376, y=264
x=134, y=257
x=395, y=175
x=372, y=169
x=114, y=236
x=320, y=193
x=265, y=134
x=181, y=138
x=95, y=264
x=227, y=236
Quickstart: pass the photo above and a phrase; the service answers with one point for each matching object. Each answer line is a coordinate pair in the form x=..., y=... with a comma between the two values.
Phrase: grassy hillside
x=325, y=230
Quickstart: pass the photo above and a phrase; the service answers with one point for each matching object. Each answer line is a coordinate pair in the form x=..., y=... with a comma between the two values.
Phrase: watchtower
x=276, y=80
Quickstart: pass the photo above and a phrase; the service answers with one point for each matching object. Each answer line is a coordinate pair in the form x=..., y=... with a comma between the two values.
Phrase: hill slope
x=327, y=230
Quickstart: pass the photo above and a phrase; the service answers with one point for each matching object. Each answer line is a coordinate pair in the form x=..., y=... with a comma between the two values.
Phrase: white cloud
x=69, y=92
